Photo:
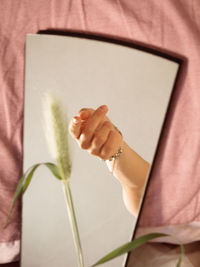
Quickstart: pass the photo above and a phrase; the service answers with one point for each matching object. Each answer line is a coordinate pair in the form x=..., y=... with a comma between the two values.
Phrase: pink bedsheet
x=174, y=195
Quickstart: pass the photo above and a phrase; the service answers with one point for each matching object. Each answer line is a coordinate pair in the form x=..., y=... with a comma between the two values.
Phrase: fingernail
x=104, y=107
x=75, y=120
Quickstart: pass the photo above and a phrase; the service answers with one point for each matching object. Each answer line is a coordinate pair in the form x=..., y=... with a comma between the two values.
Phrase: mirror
x=87, y=71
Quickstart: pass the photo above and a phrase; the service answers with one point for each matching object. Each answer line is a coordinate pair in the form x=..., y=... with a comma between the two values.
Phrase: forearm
x=131, y=170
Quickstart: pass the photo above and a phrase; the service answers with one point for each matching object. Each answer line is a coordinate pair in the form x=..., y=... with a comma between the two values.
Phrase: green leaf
x=29, y=177
x=54, y=169
x=18, y=192
x=128, y=247
x=25, y=181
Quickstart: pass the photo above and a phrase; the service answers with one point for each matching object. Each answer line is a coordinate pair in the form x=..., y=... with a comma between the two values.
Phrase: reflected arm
x=132, y=171
x=95, y=133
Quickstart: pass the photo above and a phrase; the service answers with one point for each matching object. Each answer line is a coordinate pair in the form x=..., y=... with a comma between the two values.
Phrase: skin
x=95, y=133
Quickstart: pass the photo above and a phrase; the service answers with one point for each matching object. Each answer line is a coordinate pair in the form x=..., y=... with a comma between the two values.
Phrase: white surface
x=136, y=87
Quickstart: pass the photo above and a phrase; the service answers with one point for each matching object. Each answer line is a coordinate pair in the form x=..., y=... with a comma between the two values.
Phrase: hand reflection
x=95, y=133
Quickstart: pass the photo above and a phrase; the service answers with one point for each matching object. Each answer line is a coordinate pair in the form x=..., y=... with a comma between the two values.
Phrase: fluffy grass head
x=57, y=134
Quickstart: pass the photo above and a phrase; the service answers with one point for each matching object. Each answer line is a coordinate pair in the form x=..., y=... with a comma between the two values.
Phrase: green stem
x=73, y=222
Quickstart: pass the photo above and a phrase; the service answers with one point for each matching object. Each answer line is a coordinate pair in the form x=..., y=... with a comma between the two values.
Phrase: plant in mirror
x=86, y=71
x=56, y=132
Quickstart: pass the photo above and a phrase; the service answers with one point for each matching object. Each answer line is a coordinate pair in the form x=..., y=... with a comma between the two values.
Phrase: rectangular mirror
x=87, y=71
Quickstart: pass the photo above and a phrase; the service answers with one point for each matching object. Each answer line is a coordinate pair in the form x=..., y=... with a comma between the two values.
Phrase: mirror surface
x=136, y=86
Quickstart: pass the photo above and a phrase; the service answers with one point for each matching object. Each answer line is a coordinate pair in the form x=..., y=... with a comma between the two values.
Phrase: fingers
x=100, y=138
x=85, y=113
x=75, y=127
x=91, y=125
x=78, y=122
x=95, y=133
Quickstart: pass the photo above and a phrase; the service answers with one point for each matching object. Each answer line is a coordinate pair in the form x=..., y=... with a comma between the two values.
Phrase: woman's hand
x=95, y=133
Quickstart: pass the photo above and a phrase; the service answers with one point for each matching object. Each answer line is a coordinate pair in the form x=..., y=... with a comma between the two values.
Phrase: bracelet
x=116, y=155
x=120, y=150
x=113, y=160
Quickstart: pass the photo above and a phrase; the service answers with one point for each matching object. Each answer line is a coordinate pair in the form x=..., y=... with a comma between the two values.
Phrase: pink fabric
x=174, y=195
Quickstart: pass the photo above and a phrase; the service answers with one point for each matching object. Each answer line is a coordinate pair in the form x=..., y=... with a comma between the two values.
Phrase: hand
x=95, y=133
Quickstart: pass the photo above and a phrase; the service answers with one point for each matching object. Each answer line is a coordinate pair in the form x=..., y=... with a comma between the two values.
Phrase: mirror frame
x=141, y=47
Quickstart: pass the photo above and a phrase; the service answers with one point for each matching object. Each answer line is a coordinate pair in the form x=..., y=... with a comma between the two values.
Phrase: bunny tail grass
x=57, y=134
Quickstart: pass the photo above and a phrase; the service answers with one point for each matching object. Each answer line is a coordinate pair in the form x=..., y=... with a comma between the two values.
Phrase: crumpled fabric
x=174, y=193
x=165, y=255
